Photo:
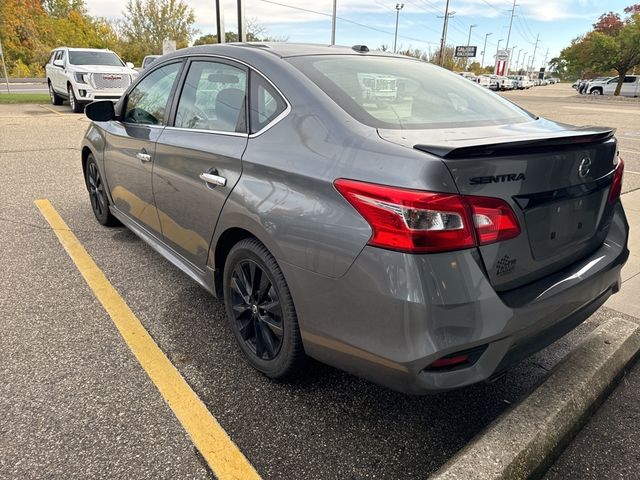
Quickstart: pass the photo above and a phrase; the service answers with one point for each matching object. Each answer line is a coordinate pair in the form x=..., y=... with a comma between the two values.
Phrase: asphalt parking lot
x=76, y=402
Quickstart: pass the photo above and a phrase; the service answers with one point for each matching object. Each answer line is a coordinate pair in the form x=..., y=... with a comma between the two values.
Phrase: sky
x=372, y=22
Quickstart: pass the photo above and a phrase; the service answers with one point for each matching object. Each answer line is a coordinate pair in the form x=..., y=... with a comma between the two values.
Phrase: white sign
x=168, y=46
x=502, y=55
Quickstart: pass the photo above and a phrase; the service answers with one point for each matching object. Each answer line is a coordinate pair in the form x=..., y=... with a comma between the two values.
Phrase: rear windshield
x=397, y=93
x=94, y=58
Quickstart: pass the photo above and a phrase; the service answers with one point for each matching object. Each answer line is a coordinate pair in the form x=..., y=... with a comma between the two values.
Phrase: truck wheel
x=55, y=98
x=76, y=106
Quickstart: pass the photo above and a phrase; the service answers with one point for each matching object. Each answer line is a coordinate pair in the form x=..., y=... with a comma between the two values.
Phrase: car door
x=131, y=142
x=198, y=157
x=57, y=73
x=629, y=87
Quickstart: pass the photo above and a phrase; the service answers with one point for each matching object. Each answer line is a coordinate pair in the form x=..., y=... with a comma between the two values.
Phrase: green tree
x=619, y=52
x=147, y=23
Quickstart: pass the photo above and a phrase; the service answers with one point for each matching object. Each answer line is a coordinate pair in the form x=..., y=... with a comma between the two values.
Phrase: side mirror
x=58, y=63
x=129, y=64
x=101, y=111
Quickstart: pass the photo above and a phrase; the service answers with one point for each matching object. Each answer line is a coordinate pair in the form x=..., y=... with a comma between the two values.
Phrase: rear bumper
x=392, y=314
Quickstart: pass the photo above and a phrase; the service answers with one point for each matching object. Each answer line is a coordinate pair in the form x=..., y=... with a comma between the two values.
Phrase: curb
x=524, y=440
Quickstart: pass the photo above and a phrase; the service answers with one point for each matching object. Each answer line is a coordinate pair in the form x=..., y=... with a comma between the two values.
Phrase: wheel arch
x=223, y=245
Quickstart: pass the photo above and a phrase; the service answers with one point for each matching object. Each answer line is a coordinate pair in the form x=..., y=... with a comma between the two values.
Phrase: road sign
x=168, y=46
x=466, y=51
x=541, y=74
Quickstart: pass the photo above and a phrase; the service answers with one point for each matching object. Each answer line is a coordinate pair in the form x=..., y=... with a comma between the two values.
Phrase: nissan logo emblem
x=585, y=167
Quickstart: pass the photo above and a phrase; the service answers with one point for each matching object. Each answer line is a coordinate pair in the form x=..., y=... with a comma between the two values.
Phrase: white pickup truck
x=82, y=75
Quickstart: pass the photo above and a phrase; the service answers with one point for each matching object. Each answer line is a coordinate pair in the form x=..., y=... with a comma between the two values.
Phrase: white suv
x=82, y=75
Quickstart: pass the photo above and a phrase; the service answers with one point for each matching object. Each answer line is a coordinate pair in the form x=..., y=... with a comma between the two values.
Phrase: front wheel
x=75, y=105
x=98, y=194
x=597, y=91
x=260, y=310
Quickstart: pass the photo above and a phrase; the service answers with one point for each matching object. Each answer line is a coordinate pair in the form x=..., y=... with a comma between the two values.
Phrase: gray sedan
x=371, y=211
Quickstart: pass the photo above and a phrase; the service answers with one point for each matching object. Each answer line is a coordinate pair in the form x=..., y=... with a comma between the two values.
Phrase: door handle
x=213, y=179
x=143, y=156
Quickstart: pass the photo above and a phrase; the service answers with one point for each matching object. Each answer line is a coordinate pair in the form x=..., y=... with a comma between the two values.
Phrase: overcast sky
x=557, y=21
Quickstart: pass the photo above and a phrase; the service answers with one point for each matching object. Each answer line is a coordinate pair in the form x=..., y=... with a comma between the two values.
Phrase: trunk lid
x=555, y=177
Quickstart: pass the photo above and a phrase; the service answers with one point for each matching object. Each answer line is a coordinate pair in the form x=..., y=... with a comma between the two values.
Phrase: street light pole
x=511, y=57
x=466, y=58
x=399, y=6
x=333, y=22
x=510, y=23
x=4, y=67
x=485, y=47
x=518, y=62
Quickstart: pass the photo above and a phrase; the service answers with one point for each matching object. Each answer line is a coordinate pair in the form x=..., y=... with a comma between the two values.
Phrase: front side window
x=266, y=103
x=398, y=93
x=94, y=58
x=147, y=102
x=213, y=98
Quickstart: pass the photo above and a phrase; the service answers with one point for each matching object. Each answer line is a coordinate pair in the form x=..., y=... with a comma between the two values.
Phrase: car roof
x=84, y=49
x=287, y=49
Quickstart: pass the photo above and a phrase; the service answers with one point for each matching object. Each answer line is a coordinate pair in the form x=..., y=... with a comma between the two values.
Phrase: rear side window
x=266, y=103
x=147, y=102
x=629, y=79
x=213, y=98
x=398, y=93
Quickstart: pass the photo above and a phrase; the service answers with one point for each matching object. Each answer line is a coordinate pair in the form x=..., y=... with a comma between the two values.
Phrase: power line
x=347, y=21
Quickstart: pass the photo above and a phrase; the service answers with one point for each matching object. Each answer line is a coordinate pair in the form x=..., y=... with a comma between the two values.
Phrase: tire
x=75, y=105
x=98, y=194
x=596, y=91
x=55, y=98
x=260, y=311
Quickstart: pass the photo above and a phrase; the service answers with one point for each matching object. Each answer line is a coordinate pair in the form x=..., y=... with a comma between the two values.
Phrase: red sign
x=500, y=67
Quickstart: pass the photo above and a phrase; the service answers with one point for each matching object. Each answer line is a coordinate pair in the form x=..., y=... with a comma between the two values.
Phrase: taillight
x=410, y=220
x=426, y=222
x=493, y=219
x=616, y=183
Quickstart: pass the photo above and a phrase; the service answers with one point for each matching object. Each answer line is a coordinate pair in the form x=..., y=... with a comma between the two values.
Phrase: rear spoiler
x=519, y=147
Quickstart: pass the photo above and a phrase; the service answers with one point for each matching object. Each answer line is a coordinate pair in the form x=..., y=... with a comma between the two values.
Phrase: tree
x=255, y=33
x=619, y=52
x=148, y=22
x=609, y=23
x=613, y=45
x=62, y=8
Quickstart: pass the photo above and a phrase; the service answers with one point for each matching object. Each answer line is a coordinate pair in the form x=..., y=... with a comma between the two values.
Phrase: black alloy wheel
x=256, y=309
x=260, y=310
x=98, y=195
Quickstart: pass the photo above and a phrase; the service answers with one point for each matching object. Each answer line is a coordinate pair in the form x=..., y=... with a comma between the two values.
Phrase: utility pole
x=471, y=27
x=399, y=6
x=4, y=67
x=219, y=21
x=485, y=47
x=333, y=22
x=513, y=49
x=513, y=10
x=518, y=61
x=544, y=63
x=533, y=58
x=444, y=33
x=242, y=24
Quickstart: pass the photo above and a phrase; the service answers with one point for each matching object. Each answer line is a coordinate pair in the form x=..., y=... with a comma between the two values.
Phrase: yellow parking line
x=50, y=109
x=222, y=455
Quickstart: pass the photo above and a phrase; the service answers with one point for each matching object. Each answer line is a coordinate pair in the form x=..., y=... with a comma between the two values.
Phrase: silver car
x=425, y=241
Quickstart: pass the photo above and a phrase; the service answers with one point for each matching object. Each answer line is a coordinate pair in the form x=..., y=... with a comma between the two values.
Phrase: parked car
x=499, y=83
x=82, y=75
x=484, y=81
x=521, y=82
x=426, y=243
x=596, y=86
x=468, y=75
x=630, y=86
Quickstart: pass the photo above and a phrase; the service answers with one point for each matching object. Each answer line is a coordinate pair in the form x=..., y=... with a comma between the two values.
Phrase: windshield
x=398, y=93
x=94, y=58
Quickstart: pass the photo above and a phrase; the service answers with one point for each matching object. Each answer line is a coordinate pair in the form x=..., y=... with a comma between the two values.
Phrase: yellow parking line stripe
x=50, y=109
x=222, y=455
